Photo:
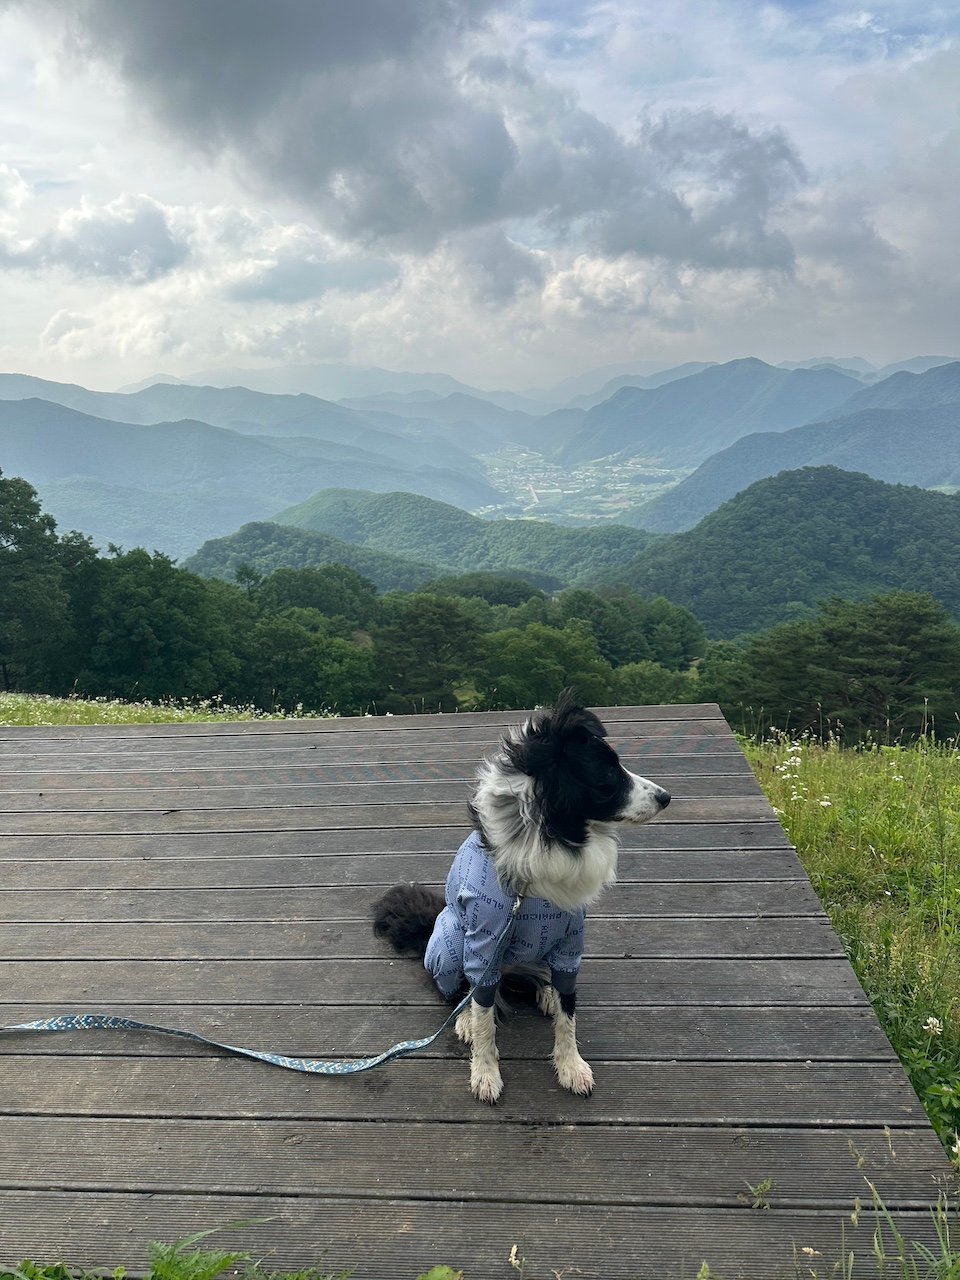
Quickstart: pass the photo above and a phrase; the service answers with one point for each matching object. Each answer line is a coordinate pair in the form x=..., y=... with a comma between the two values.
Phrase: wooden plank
x=636, y=1165
x=329, y=817
x=725, y=768
x=692, y=754
x=185, y=793
x=375, y=870
x=628, y=1093
x=345, y=734
x=620, y=982
x=649, y=1034
x=636, y=865
x=752, y=899
x=371, y=1239
x=492, y=721
x=123, y=867
x=802, y=936
x=730, y=1038
x=696, y=837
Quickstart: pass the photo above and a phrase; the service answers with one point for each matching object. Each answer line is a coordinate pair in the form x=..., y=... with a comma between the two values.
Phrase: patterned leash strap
x=312, y=1066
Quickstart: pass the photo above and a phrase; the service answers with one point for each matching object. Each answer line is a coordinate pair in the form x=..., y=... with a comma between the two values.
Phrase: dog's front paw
x=464, y=1026
x=574, y=1074
x=486, y=1083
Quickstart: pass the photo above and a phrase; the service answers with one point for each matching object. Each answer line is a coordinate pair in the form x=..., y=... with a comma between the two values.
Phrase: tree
x=35, y=624
x=630, y=629
x=884, y=667
x=495, y=588
x=425, y=646
x=648, y=683
x=529, y=668
x=298, y=663
x=332, y=589
x=154, y=631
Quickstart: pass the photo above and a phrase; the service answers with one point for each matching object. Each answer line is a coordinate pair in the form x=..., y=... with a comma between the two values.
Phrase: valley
x=646, y=480
x=602, y=489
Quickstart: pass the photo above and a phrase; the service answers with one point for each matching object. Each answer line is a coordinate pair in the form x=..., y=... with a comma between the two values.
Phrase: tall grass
x=37, y=709
x=878, y=831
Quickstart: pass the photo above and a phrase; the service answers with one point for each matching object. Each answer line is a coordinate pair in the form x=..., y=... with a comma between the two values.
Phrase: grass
x=878, y=831
x=37, y=709
x=891, y=1256
x=186, y=1260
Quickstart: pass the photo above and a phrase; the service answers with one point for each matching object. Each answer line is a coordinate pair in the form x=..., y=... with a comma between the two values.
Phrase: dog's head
x=576, y=776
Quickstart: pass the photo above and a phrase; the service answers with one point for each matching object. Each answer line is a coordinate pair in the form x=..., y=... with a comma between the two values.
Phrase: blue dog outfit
x=465, y=933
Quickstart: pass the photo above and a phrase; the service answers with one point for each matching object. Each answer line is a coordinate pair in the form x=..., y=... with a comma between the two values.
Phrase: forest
x=322, y=639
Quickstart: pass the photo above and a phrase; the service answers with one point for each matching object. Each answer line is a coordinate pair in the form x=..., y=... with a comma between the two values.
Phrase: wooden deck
x=219, y=877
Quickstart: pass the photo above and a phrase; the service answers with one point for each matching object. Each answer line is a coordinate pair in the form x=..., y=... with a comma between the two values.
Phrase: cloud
x=14, y=192
x=496, y=268
x=127, y=331
x=137, y=240
x=406, y=125
x=507, y=188
x=128, y=239
x=62, y=326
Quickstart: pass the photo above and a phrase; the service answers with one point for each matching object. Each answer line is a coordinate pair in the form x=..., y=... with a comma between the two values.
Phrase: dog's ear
x=572, y=722
x=533, y=753
x=550, y=735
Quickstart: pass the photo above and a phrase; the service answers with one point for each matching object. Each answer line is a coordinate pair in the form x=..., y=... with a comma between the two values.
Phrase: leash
x=312, y=1066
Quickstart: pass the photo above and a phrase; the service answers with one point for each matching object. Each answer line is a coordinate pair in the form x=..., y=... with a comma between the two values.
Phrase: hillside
x=425, y=530
x=456, y=410
x=254, y=413
x=173, y=522
x=789, y=541
x=229, y=476
x=907, y=446
x=685, y=370
x=268, y=546
x=939, y=385
x=685, y=421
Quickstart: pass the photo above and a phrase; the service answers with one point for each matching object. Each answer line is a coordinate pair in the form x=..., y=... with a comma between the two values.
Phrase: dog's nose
x=662, y=797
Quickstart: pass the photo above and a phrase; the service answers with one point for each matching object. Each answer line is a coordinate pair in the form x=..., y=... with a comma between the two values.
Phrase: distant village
x=602, y=489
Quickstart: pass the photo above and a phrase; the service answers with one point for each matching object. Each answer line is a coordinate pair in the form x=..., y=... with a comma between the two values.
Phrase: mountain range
x=687, y=420
x=905, y=429
x=401, y=540
x=770, y=554
x=172, y=465
x=213, y=478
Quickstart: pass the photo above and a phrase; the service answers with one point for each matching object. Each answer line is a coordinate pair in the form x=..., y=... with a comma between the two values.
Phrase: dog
x=545, y=811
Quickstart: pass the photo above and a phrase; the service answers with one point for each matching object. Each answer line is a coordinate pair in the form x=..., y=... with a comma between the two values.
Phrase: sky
x=509, y=192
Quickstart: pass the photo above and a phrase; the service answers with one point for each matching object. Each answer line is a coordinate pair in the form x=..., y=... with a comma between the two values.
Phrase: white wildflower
x=826, y=803
x=933, y=1026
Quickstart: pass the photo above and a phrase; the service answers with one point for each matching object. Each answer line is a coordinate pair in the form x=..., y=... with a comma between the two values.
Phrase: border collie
x=545, y=812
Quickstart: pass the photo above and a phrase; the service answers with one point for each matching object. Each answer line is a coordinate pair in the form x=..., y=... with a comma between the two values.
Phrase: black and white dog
x=545, y=812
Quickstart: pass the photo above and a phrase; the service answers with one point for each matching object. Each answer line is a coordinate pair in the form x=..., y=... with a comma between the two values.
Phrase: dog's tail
x=405, y=917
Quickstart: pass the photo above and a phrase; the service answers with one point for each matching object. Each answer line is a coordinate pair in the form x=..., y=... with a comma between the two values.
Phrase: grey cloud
x=498, y=267
x=128, y=239
x=620, y=195
x=390, y=124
